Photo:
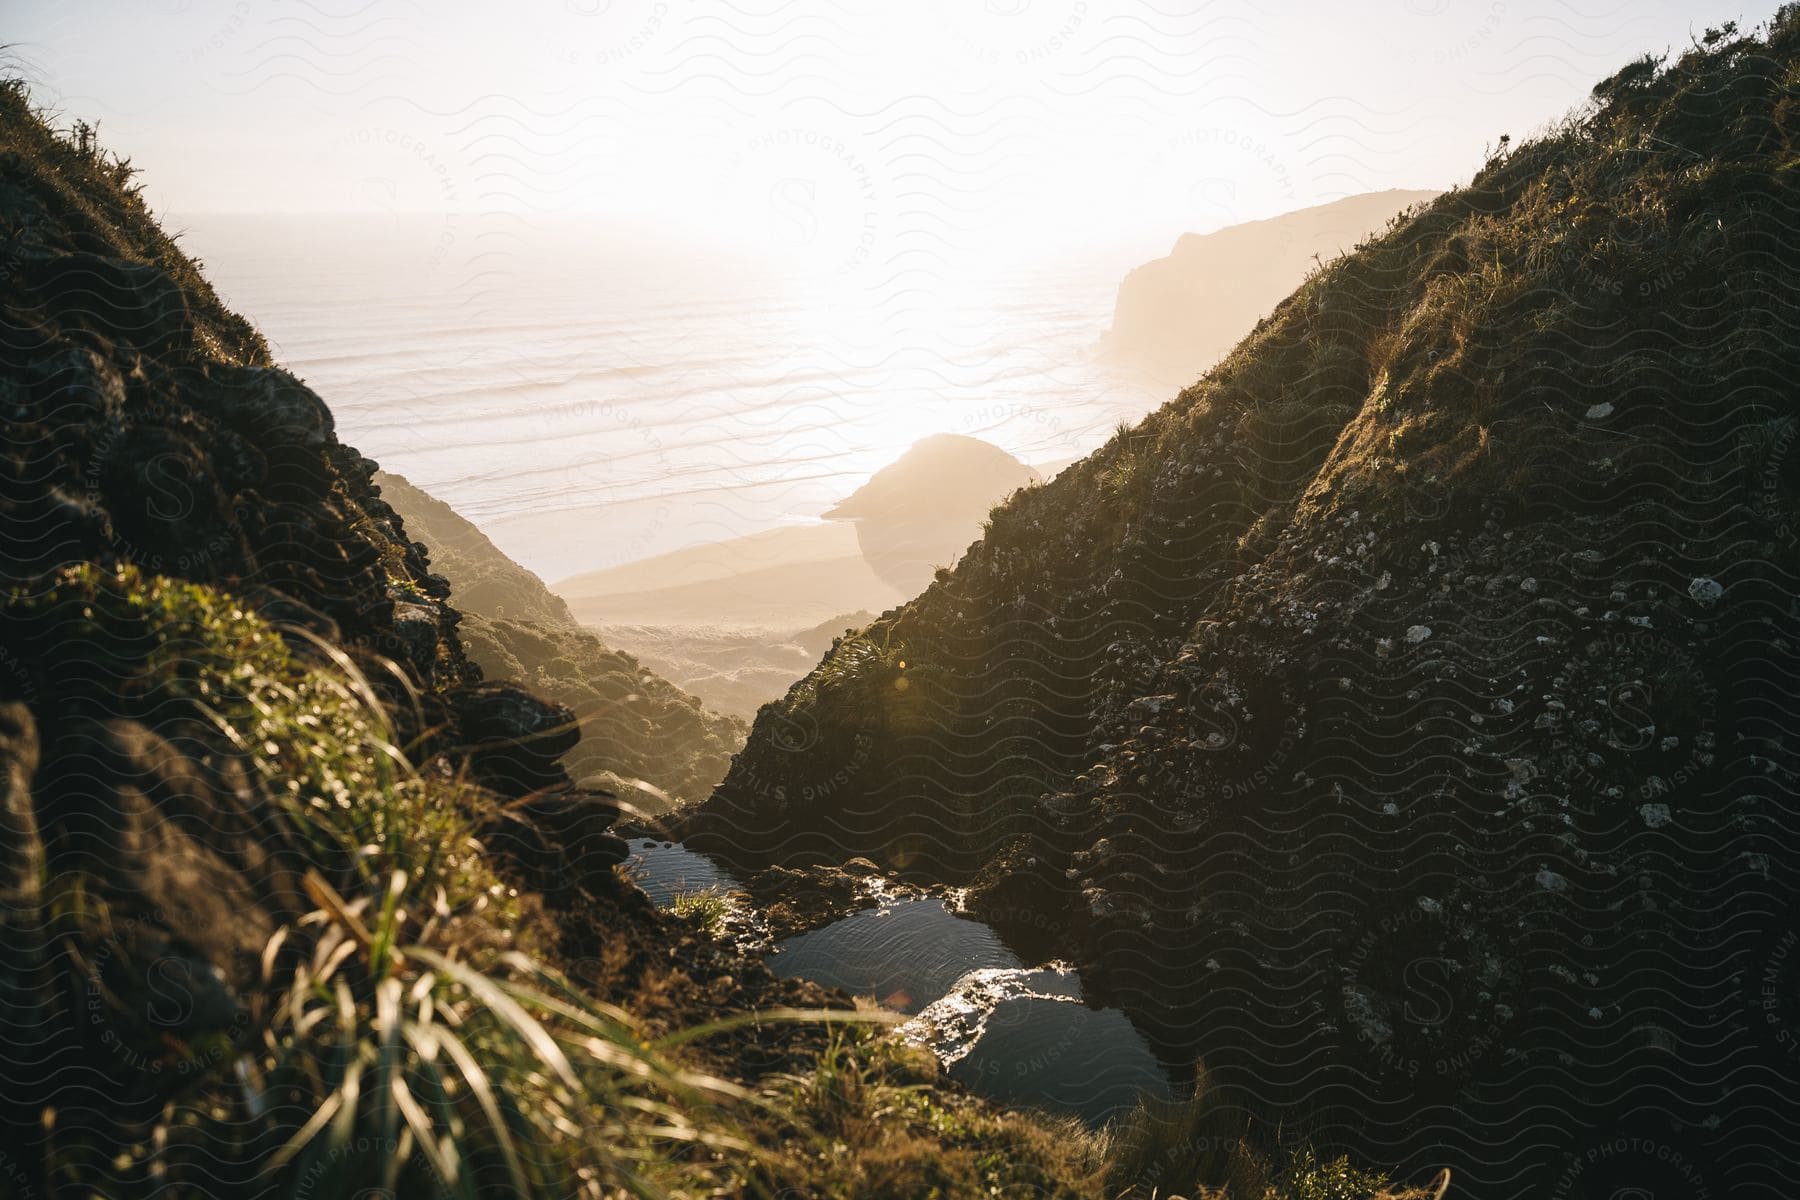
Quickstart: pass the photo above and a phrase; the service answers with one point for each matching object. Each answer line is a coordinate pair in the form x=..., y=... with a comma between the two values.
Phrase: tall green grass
x=408, y=1061
x=406, y=1044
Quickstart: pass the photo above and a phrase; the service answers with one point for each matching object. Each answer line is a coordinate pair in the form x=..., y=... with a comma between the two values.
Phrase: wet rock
x=1027, y=895
x=1705, y=591
x=792, y=900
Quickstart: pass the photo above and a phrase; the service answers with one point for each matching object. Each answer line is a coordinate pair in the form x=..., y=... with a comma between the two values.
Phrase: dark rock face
x=187, y=879
x=1396, y=721
x=516, y=748
x=143, y=870
x=128, y=301
x=204, y=470
x=516, y=740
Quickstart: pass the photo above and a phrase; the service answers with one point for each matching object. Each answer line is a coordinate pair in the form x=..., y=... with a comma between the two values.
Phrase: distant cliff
x=1178, y=315
x=738, y=621
x=921, y=511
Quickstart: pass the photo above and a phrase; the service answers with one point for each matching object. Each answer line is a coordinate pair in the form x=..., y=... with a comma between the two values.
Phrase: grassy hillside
x=1399, y=720
x=634, y=725
x=292, y=902
x=485, y=579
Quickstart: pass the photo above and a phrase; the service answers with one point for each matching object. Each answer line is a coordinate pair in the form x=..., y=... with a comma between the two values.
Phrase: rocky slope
x=292, y=902
x=1400, y=719
x=635, y=726
x=1178, y=315
x=486, y=580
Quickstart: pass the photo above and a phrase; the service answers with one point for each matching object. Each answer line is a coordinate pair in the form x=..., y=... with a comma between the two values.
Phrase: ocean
x=593, y=396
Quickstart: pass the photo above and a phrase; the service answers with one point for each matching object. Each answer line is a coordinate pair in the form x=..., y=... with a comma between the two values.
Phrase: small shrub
x=1121, y=475
x=705, y=909
x=1309, y=1177
x=1179, y=1147
x=859, y=675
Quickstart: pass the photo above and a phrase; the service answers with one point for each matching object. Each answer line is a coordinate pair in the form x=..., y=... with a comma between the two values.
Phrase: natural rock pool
x=1018, y=1033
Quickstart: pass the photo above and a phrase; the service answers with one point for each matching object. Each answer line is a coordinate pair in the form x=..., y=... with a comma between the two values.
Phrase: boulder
x=516, y=741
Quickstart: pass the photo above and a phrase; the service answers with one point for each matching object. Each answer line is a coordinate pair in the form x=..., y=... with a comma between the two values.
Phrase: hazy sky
x=826, y=129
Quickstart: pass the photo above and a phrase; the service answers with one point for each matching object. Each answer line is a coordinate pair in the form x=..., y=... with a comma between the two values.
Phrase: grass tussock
x=862, y=678
x=468, y=1074
x=871, y=1119
x=706, y=909
x=1204, y=1147
x=305, y=721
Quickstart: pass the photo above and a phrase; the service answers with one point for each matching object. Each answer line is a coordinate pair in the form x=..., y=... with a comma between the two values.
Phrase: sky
x=824, y=130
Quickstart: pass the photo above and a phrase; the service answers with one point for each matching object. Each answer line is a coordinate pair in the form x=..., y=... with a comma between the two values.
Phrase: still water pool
x=666, y=869
x=1018, y=1033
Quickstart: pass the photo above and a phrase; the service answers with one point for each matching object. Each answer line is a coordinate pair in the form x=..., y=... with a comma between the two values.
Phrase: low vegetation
x=409, y=1042
x=704, y=908
x=637, y=729
x=256, y=942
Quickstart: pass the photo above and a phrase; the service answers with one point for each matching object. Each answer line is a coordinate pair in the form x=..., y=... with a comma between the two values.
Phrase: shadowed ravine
x=1369, y=776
